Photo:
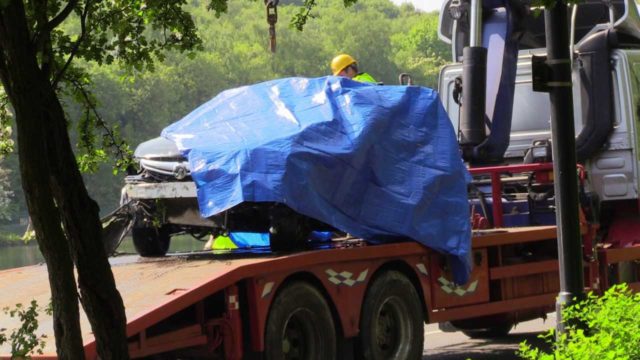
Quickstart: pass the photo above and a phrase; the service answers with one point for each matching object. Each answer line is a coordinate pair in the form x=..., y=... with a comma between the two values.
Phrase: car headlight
x=180, y=172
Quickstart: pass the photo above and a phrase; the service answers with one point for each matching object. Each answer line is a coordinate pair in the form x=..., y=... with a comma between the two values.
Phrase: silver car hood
x=158, y=148
x=162, y=156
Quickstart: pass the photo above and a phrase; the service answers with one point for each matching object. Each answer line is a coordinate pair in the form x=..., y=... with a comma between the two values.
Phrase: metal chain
x=272, y=19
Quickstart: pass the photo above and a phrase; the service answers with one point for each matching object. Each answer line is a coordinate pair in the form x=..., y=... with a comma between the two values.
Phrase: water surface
x=23, y=255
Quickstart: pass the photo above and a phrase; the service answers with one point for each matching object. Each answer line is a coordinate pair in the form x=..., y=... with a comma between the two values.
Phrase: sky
x=426, y=5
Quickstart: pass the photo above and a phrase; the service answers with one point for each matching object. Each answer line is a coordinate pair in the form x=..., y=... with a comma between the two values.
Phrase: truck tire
x=391, y=324
x=492, y=332
x=300, y=325
x=151, y=241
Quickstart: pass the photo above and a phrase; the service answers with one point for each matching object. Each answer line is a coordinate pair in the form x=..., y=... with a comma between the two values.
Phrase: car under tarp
x=378, y=162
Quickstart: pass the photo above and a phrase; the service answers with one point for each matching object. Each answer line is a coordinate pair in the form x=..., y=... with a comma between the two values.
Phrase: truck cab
x=606, y=78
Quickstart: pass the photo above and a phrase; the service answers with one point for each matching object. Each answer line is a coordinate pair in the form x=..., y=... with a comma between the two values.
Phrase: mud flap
x=115, y=226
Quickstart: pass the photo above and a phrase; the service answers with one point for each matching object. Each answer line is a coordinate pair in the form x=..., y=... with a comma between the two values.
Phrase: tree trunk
x=56, y=193
x=46, y=222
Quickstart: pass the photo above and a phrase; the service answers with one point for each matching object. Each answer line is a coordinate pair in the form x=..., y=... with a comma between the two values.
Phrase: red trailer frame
x=220, y=304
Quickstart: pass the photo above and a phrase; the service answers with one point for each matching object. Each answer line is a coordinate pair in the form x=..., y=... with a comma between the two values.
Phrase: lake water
x=16, y=256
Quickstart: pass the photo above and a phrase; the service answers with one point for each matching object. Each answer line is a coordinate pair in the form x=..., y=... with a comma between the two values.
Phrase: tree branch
x=76, y=45
x=58, y=19
x=42, y=38
x=45, y=30
x=116, y=144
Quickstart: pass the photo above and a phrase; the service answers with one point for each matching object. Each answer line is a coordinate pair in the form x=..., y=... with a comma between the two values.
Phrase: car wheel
x=151, y=241
x=288, y=230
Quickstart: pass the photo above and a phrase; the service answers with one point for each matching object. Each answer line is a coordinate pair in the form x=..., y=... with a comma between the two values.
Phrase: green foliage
x=7, y=205
x=609, y=329
x=97, y=140
x=299, y=20
x=133, y=34
x=24, y=340
x=6, y=116
x=11, y=201
x=419, y=51
x=10, y=239
x=29, y=235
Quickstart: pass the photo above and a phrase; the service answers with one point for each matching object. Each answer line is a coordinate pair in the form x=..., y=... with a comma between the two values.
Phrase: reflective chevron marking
x=345, y=277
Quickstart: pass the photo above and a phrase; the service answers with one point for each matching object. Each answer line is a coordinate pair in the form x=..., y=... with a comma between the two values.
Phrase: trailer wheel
x=491, y=332
x=391, y=325
x=151, y=241
x=300, y=325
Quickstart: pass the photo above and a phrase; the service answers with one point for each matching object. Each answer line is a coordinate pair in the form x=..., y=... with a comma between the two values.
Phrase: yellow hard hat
x=340, y=62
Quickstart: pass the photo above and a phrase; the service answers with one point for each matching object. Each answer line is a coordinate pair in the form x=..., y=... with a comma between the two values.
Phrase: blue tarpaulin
x=378, y=162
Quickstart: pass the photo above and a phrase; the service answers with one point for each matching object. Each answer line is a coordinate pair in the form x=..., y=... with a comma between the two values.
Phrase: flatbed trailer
x=219, y=305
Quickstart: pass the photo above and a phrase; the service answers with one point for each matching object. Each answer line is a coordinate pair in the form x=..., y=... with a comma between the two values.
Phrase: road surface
x=439, y=345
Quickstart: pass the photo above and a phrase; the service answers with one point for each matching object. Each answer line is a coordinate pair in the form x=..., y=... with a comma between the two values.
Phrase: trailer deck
x=157, y=290
x=150, y=288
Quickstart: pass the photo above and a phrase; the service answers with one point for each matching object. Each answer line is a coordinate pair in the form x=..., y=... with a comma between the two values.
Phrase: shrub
x=24, y=341
x=609, y=329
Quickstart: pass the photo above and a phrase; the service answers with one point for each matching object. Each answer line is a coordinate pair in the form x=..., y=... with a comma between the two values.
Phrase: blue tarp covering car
x=378, y=162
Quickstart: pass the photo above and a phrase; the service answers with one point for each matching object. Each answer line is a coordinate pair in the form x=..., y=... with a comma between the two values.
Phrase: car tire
x=288, y=230
x=151, y=241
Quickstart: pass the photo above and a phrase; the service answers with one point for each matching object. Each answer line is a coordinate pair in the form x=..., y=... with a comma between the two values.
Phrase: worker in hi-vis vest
x=345, y=65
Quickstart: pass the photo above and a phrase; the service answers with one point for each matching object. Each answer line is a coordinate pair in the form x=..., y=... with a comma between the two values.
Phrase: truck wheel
x=151, y=241
x=300, y=325
x=391, y=325
x=492, y=332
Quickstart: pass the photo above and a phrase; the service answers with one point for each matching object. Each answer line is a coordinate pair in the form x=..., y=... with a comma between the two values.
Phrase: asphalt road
x=439, y=345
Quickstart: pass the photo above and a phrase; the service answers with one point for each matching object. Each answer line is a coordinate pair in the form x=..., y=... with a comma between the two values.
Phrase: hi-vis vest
x=364, y=77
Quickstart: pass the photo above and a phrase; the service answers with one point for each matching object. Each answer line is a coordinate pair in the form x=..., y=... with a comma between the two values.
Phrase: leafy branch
x=599, y=327
x=111, y=139
x=299, y=20
x=24, y=340
x=6, y=116
x=57, y=20
x=76, y=45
